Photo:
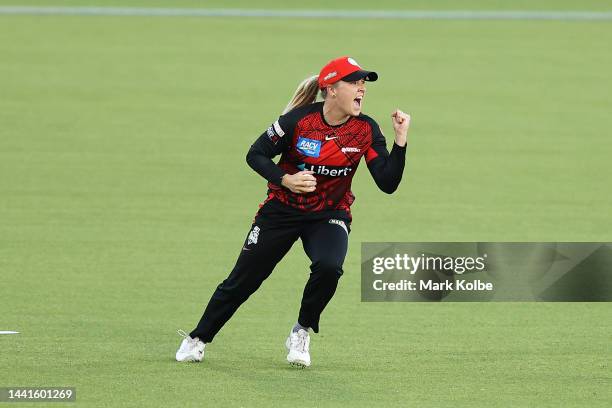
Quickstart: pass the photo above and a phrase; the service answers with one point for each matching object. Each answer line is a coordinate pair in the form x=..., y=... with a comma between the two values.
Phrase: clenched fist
x=300, y=182
x=401, y=123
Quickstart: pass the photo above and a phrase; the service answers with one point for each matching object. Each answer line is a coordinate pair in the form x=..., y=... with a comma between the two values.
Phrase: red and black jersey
x=306, y=142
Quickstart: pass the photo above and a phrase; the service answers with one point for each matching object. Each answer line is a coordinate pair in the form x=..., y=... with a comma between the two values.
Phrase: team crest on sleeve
x=275, y=132
x=272, y=136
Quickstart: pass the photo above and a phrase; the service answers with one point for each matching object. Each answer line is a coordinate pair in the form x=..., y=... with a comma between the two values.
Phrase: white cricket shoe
x=298, y=344
x=190, y=349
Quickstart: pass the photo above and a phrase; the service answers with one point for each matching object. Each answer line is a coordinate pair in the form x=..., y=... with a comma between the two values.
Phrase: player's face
x=349, y=96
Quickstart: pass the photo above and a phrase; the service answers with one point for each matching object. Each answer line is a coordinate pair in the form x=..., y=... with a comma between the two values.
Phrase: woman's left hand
x=401, y=123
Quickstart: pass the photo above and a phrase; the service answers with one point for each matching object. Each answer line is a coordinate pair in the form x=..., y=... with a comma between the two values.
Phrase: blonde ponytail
x=305, y=94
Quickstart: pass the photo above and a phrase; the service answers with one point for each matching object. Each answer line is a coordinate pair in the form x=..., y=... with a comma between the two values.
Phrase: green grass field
x=125, y=197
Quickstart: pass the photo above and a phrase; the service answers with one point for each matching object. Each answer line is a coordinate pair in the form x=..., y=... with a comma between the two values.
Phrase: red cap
x=343, y=68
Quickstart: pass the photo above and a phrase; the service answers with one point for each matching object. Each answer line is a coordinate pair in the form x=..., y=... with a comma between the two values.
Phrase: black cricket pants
x=276, y=227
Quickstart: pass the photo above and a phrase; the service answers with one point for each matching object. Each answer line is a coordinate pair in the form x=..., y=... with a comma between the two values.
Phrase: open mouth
x=357, y=102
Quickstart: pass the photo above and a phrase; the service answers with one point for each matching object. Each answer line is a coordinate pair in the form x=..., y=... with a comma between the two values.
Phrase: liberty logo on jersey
x=323, y=170
x=308, y=147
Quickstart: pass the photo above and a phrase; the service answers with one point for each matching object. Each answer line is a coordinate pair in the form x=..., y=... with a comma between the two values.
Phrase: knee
x=236, y=289
x=327, y=267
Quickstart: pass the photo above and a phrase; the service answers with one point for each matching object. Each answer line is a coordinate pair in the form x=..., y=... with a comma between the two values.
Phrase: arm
x=385, y=168
x=259, y=157
x=272, y=143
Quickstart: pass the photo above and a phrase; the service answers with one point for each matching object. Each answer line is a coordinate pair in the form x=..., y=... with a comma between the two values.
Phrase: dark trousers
x=274, y=230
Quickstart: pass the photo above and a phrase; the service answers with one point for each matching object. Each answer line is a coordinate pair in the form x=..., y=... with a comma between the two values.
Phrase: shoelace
x=302, y=342
x=192, y=342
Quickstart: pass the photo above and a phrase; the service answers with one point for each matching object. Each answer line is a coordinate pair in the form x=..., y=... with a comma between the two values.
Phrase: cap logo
x=352, y=62
x=330, y=75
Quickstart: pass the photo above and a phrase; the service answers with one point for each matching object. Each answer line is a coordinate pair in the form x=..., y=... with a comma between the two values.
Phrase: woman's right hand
x=301, y=182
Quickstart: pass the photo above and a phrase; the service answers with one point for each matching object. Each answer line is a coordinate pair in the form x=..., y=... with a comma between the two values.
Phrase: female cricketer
x=309, y=197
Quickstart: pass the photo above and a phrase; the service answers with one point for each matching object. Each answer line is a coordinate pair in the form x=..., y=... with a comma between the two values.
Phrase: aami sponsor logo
x=340, y=223
x=350, y=150
x=323, y=170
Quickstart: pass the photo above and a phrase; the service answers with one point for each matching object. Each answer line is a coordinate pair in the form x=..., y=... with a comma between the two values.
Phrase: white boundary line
x=8, y=332
x=347, y=14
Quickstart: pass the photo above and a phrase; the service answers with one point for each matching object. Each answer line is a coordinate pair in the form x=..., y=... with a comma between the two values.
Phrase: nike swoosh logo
x=330, y=138
x=246, y=249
